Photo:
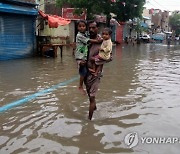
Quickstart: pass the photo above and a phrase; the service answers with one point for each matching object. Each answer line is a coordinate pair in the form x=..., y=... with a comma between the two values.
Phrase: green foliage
x=174, y=22
x=131, y=9
x=138, y=28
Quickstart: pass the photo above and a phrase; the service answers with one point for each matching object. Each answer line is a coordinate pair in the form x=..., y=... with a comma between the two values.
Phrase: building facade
x=147, y=16
x=160, y=21
x=165, y=21
x=17, y=29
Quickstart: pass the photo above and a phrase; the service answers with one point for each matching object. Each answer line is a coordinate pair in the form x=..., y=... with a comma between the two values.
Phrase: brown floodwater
x=139, y=92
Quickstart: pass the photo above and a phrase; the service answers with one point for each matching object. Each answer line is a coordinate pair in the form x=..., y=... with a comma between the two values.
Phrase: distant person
x=82, y=41
x=169, y=40
x=177, y=38
x=126, y=40
x=105, y=52
x=134, y=40
x=130, y=39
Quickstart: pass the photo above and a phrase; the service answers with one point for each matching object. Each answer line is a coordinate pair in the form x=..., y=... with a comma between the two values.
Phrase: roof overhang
x=17, y=2
x=146, y=18
x=18, y=9
x=54, y=21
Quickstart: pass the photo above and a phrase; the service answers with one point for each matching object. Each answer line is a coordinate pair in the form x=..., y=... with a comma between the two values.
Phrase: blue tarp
x=145, y=25
x=158, y=37
x=9, y=8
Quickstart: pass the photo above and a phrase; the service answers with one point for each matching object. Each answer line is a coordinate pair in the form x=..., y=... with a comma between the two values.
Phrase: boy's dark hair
x=108, y=30
x=81, y=21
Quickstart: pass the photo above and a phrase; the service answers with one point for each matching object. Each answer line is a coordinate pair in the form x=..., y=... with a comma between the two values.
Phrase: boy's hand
x=82, y=63
x=100, y=40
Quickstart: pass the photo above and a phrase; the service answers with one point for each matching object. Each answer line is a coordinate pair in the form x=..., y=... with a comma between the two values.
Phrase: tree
x=124, y=9
x=138, y=28
x=174, y=22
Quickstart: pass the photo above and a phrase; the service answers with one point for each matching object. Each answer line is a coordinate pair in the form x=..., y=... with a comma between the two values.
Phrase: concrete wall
x=126, y=31
x=41, y=4
x=72, y=31
x=61, y=32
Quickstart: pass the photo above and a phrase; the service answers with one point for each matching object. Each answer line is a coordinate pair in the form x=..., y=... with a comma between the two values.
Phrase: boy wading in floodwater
x=82, y=41
x=104, y=54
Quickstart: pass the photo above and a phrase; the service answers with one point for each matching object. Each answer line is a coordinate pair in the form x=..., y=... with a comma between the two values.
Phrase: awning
x=146, y=18
x=17, y=9
x=54, y=21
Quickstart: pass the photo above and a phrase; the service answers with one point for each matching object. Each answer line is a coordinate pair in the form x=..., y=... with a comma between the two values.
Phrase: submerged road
x=139, y=92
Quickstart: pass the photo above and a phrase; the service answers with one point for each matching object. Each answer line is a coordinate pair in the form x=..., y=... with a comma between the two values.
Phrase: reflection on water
x=138, y=93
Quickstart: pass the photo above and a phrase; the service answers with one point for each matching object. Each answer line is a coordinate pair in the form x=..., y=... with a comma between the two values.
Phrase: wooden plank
x=55, y=47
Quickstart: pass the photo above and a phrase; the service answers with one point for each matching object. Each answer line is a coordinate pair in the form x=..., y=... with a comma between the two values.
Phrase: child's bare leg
x=98, y=68
x=81, y=82
x=81, y=89
x=82, y=72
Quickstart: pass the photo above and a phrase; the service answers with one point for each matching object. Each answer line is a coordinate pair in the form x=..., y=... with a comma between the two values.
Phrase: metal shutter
x=17, y=36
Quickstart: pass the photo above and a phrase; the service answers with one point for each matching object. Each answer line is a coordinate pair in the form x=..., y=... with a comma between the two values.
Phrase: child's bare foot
x=91, y=70
x=82, y=91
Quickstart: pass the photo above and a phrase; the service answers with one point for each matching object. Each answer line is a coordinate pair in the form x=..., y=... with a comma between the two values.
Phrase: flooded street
x=139, y=92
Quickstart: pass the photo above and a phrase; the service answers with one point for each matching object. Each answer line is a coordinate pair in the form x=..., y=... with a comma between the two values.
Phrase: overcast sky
x=169, y=5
